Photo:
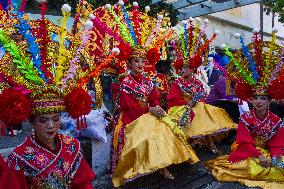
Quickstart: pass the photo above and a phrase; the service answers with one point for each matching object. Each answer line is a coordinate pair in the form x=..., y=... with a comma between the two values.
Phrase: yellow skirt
x=149, y=146
x=248, y=172
x=208, y=120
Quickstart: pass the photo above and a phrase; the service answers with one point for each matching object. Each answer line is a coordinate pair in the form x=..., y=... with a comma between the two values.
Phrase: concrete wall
x=242, y=20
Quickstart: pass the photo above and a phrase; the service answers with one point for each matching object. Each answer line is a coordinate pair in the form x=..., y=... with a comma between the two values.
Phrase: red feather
x=15, y=107
x=78, y=103
x=125, y=51
x=276, y=89
x=153, y=56
x=243, y=91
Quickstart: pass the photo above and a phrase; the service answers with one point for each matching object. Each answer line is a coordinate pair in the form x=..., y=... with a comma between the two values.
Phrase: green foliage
x=155, y=9
x=275, y=6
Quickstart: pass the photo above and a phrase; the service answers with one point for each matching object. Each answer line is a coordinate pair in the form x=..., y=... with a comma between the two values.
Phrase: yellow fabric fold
x=116, y=132
x=208, y=120
x=149, y=146
x=248, y=172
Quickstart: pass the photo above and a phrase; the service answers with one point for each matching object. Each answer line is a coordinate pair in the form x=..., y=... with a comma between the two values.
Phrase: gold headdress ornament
x=138, y=52
x=257, y=67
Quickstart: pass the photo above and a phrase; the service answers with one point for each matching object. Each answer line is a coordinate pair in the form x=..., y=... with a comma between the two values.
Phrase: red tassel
x=78, y=124
x=82, y=123
x=85, y=122
x=2, y=128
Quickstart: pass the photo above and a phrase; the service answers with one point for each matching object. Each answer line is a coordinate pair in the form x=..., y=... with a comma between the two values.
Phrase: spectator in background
x=218, y=97
x=216, y=73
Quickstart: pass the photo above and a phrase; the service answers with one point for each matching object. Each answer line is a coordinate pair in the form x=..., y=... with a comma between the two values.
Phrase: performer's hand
x=263, y=161
x=157, y=111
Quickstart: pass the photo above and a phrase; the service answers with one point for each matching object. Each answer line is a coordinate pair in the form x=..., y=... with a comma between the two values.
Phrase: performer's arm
x=83, y=177
x=13, y=176
x=276, y=143
x=174, y=97
x=154, y=98
x=245, y=145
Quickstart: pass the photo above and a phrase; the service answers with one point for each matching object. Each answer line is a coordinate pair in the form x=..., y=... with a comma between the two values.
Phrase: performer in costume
x=143, y=141
x=47, y=159
x=197, y=119
x=256, y=159
x=218, y=97
x=139, y=104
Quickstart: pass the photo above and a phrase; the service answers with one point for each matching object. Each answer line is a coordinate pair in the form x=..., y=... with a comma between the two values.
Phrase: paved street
x=186, y=177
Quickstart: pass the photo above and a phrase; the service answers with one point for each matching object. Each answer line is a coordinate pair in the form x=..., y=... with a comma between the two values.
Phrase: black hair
x=161, y=63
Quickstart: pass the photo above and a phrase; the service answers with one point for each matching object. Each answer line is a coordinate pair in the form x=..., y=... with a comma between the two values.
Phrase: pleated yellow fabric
x=208, y=120
x=149, y=146
x=247, y=172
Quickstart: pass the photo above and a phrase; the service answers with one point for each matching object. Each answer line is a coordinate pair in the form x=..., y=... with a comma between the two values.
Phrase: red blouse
x=137, y=94
x=38, y=165
x=183, y=91
x=252, y=132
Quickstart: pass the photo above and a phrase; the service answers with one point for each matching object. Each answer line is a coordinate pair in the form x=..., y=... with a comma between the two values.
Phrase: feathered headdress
x=257, y=68
x=192, y=46
x=51, y=68
x=136, y=34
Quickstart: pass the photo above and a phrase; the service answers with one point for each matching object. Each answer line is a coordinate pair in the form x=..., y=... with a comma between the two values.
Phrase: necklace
x=136, y=81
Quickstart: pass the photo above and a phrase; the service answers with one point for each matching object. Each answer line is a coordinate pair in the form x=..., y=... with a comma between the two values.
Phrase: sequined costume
x=203, y=119
x=138, y=135
x=255, y=136
x=63, y=167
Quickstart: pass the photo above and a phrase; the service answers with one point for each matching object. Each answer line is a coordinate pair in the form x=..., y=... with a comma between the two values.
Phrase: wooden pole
x=261, y=19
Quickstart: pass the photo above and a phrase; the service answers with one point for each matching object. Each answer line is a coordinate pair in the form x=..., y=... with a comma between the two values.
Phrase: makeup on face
x=186, y=72
x=260, y=103
x=46, y=126
x=137, y=65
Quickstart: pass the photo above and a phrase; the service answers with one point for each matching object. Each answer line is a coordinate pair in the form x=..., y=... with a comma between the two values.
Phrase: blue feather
x=25, y=30
x=5, y=4
x=249, y=57
x=186, y=40
x=129, y=24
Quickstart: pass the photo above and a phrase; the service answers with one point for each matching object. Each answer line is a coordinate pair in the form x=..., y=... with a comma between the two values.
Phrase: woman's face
x=46, y=126
x=186, y=72
x=260, y=103
x=137, y=65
